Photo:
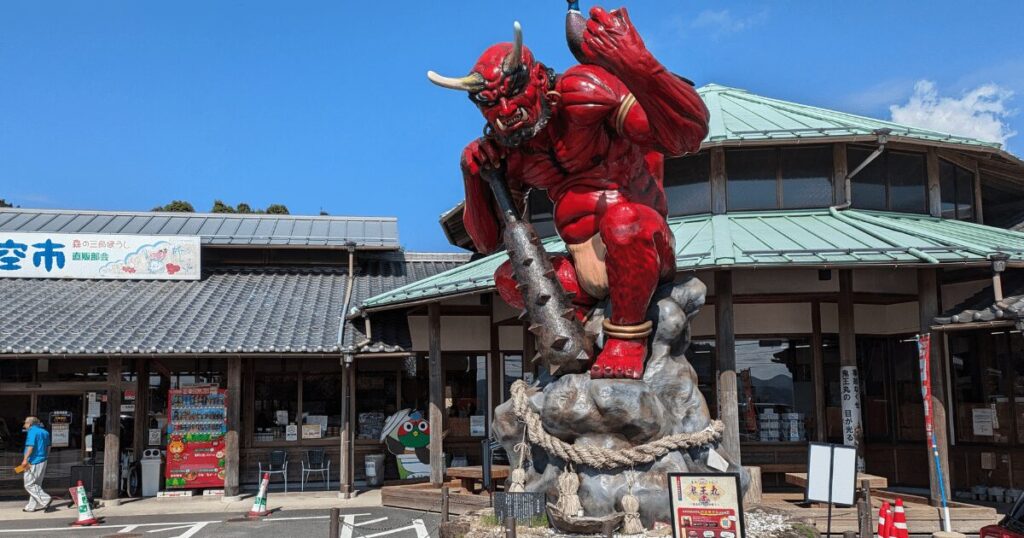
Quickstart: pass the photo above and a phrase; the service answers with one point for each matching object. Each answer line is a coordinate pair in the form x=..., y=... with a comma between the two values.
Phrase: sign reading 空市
x=96, y=256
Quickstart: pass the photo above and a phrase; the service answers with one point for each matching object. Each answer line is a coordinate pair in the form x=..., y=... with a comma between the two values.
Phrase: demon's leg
x=504, y=280
x=640, y=255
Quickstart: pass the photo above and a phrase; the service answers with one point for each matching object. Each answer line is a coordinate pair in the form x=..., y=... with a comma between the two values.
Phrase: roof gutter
x=923, y=256
x=882, y=137
x=347, y=358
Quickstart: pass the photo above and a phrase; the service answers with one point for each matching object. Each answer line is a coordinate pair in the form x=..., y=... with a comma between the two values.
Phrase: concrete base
x=345, y=496
x=230, y=498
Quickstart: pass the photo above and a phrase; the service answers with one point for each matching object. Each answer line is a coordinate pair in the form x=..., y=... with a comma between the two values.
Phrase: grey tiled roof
x=982, y=308
x=213, y=228
x=232, y=309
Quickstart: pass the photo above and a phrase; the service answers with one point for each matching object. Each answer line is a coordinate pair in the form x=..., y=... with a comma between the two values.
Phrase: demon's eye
x=481, y=99
x=423, y=426
x=407, y=427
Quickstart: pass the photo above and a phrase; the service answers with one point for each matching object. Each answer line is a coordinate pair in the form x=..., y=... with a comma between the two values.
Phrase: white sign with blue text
x=96, y=256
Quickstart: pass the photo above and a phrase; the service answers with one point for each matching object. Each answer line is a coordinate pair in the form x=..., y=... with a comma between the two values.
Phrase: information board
x=706, y=505
x=835, y=464
x=195, y=437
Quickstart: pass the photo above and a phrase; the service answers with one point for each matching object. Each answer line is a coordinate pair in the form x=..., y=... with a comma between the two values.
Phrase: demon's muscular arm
x=481, y=217
x=671, y=113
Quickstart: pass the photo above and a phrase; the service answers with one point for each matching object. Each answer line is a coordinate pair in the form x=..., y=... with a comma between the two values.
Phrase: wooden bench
x=467, y=477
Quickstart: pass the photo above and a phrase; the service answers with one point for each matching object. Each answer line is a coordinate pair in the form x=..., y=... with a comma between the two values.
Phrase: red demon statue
x=594, y=138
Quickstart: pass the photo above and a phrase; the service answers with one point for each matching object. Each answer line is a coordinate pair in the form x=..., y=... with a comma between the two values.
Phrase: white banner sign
x=849, y=394
x=94, y=256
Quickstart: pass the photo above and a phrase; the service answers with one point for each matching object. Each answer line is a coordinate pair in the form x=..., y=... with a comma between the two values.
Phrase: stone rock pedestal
x=620, y=413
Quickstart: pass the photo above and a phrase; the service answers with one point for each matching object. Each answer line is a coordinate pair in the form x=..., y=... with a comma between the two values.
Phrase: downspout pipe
x=348, y=300
x=883, y=138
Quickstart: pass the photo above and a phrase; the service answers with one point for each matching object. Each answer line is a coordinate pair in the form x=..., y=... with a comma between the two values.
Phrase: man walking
x=37, y=448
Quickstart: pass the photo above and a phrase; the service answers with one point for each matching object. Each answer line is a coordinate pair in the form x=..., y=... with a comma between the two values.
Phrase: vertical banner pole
x=924, y=342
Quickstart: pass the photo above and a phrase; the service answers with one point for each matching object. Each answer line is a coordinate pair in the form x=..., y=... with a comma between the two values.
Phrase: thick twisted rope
x=605, y=458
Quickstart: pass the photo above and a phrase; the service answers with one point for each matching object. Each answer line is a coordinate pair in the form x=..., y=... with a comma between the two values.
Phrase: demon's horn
x=515, y=56
x=472, y=82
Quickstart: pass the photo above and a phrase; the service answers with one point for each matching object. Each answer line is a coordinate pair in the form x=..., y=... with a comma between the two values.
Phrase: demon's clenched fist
x=593, y=137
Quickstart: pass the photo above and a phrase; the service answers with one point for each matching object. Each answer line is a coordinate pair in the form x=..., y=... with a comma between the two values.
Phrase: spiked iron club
x=563, y=343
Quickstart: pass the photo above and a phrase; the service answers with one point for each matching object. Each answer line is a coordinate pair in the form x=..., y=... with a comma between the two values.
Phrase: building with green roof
x=828, y=242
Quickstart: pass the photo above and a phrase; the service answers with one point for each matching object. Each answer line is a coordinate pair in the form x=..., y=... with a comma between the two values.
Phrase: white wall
x=885, y=280
x=764, y=319
x=761, y=281
x=458, y=333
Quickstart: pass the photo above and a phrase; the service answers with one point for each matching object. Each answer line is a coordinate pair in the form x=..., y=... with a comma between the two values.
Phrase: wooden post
x=112, y=437
x=495, y=370
x=934, y=187
x=979, y=215
x=852, y=431
x=436, y=396
x=139, y=440
x=818, y=373
x=928, y=305
x=510, y=527
x=334, y=530
x=231, y=438
x=719, y=191
x=445, y=506
x=725, y=347
x=840, y=188
x=345, y=455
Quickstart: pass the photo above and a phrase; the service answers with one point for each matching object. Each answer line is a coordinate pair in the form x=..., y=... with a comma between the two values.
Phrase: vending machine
x=196, y=425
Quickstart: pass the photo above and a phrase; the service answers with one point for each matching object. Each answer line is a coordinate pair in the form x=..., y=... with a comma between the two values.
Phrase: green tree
x=176, y=206
x=243, y=207
x=277, y=209
x=221, y=207
x=5, y=203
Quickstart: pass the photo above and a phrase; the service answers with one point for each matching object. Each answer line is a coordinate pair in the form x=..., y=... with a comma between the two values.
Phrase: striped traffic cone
x=899, y=520
x=85, y=517
x=884, y=519
x=259, y=504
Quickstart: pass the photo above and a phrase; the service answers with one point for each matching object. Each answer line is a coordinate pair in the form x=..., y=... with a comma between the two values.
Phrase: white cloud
x=724, y=22
x=981, y=113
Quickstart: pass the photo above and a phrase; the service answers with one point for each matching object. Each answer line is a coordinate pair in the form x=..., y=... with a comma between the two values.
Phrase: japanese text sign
x=95, y=256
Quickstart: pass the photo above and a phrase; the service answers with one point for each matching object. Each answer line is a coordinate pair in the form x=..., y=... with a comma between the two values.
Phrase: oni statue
x=594, y=138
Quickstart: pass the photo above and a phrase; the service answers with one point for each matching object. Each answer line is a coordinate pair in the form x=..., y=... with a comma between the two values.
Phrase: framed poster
x=706, y=505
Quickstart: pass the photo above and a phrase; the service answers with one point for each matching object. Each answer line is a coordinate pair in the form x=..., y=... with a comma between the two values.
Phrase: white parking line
x=191, y=528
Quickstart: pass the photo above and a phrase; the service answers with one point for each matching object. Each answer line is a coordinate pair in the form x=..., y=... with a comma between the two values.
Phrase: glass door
x=12, y=439
x=61, y=415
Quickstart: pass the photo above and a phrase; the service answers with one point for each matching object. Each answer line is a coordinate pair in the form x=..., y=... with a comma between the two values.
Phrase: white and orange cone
x=259, y=504
x=85, y=517
x=899, y=520
x=884, y=520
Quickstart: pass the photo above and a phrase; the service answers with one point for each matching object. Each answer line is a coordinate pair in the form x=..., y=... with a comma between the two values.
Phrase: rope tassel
x=631, y=506
x=568, y=493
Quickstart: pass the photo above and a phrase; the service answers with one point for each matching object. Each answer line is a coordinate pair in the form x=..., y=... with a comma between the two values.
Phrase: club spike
x=560, y=342
x=523, y=315
x=527, y=262
x=583, y=356
x=543, y=299
x=520, y=287
x=569, y=313
x=550, y=273
x=536, y=357
x=534, y=328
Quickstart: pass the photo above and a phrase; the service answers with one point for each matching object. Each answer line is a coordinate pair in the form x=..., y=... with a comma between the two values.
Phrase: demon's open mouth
x=515, y=120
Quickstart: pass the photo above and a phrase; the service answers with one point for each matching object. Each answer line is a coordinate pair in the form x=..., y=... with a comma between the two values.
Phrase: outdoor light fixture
x=998, y=260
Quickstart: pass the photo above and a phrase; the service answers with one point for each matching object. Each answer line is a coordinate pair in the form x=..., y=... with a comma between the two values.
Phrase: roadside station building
x=254, y=304
x=828, y=242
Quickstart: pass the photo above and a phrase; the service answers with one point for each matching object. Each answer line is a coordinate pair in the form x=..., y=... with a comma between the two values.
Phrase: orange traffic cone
x=259, y=504
x=85, y=517
x=899, y=520
x=884, y=519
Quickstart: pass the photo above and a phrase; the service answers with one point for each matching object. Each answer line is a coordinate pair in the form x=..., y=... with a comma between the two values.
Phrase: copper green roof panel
x=813, y=237
x=738, y=115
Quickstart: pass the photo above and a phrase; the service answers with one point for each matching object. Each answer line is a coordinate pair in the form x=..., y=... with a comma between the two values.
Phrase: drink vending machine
x=196, y=425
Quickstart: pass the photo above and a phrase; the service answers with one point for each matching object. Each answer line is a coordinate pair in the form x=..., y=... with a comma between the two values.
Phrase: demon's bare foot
x=620, y=359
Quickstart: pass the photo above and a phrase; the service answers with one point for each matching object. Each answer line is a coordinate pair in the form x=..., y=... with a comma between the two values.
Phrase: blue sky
x=128, y=105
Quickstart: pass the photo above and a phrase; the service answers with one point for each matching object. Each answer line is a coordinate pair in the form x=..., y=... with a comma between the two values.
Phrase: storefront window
x=776, y=392
x=16, y=370
x=688, y=184
x=513, y=368
x=12, y=440
x=907, y=385
x=48, y=370
x=957, y=186
x=894, y=181
x=752, y=179
x=275, y=399
x=376, y=400
x=981, y=380
x=321, y=396
x=465, y=392
x=873, y=369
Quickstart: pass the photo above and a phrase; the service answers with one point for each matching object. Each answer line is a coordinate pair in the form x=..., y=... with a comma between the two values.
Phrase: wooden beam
x=979, y=215
x=818, y=373
x=436, y=396
x=719, y=191
x=848, y=361
x=840, y=189
x=928, y=306
x=495, y=375
x=934, y=187
x=112, y=435
x=725, y=347
x=231, y=438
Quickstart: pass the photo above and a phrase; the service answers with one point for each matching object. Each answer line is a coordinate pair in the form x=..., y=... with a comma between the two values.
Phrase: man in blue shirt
x=37, y=449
